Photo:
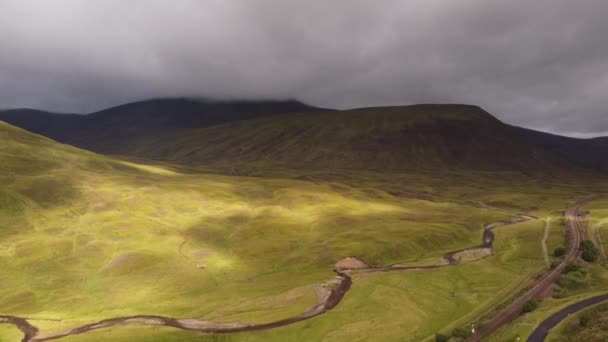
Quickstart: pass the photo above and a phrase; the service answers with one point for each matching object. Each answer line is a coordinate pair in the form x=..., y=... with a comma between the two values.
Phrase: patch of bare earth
x=351, y=263
x=472, y=254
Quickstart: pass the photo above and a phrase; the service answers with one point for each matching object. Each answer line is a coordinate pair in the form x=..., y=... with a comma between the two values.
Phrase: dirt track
x=339, y=287
x=544, y=241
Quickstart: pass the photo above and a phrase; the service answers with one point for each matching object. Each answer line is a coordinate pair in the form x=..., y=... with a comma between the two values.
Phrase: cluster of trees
x=590, y=253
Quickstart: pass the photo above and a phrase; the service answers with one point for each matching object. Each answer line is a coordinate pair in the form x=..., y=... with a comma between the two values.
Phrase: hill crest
x=290, y=134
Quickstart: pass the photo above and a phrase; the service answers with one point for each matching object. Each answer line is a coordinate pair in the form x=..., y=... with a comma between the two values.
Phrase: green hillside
x=86, y=237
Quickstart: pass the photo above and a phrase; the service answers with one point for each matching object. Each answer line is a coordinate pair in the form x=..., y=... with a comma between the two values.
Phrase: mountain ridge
x=292, y=134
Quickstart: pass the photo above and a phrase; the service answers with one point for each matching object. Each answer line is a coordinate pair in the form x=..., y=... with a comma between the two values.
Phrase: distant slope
x=289, y=134
x=39, y=121
x=384, y=138
x=584, y=153
x=602, y=141
x=110, y=129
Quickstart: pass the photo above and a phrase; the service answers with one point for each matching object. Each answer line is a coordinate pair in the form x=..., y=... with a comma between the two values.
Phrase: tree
x=531, y=305
x=559, y=252
x=590, y=252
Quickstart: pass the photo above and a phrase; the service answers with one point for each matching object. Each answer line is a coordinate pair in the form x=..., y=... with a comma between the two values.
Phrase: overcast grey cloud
x=540, y=64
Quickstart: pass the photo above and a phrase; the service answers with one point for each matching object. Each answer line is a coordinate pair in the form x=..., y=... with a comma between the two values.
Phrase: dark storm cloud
x=541, y=63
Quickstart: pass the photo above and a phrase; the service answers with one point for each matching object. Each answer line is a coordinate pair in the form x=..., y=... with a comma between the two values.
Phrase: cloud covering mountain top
x=541, y=64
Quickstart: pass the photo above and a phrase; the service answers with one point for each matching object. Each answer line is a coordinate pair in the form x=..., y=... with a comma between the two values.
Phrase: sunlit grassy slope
x=400, y=306
x=84, y=237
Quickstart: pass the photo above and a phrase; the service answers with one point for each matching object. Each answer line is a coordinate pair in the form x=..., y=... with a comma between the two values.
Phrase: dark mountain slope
x=385, y=138
x=39, y=121
x=260, y=134
x=188, y=113
x=602, y=141
x=109, y=130
x=583, y=153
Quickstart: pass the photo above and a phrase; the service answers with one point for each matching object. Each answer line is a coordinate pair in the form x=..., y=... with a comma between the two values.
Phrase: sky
x=541, y=64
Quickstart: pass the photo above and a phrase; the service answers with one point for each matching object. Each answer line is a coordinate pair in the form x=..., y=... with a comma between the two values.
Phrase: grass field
x=587, y=325
x=86, y=237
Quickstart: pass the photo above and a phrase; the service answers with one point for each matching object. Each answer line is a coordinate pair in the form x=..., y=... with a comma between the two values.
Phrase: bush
x=461, y=333
x=587, y=244
x=574, y=278
x=441, y=338
x=589, y=255
x=585, y=319
x=531, y=305
x=571, y=268
x=559, y=252
x=590, y=252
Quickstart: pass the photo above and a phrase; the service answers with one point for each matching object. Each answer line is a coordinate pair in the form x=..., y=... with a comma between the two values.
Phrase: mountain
x=289, y=134
x=602, y=141
x=382, y=138
x=108, y=130
x=39, y=121
x=583, y=153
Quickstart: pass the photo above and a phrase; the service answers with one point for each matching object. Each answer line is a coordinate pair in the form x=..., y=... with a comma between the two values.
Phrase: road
x=576, y=229
x=540, y=333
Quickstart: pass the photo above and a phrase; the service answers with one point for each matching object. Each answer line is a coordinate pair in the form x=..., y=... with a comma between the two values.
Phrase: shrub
x=589, y=255
x=559, y=252
x=585, y=319
x=575, y=278
x=461, y=333
x=531, y=305
x=571, y=268
x=441, y=338
x=587, y=244
x=590, y=252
